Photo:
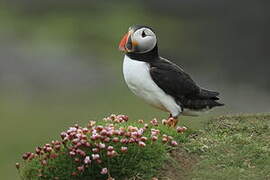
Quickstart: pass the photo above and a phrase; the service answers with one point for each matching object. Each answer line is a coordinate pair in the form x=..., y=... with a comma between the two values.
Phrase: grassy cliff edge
x=229, y=147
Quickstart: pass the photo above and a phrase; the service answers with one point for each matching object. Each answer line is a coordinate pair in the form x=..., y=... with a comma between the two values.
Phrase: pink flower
x=38, y=150
x=124, y=141
x=95, y=150
x=122, y=132
x=95, y=156
x=95, y=137
x=78, y=135
x=110, y=148
x=165, y=136
x=143, y=138
x=104, y=171
x=103, y=132
x=140, y=121
x=85, y=130
x=101, y=145
x=132, y=129
x=154, y=132
x=63, y=135
x=122, y=117
x=48, y=149
x=53, y=156
x=17, y=165
x=87, y=160
x=75, y=141
x=134, y=134
x=80, y=168
x=99, y=128
x=115, y=139
x=80, y=152
x=131, y=140
x=164, y=139
x=109, y=133
x=57, y=147
x=44, y=162
x=124, y=149
x=154, y=122
x=142, y=144
x=116, y=132
x=72, y=129
x=107, y=139
x=84, y=137
x=72, y=153
x=111, y=153
x=112, y=117
x=140, y=132
x=146, y=126
x=174, y=143
x=181, y=129
x=154, y=138
x=91, y=123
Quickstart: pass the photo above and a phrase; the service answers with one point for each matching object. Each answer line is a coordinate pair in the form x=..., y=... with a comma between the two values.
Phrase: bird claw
x=172, y=122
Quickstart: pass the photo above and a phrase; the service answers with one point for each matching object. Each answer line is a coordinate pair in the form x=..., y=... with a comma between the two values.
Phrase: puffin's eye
x=143, y=34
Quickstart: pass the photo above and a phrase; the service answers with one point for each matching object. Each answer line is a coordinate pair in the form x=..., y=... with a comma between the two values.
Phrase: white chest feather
x=139, y=81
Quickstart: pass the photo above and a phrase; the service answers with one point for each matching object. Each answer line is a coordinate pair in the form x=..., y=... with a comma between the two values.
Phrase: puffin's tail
x=210, y=98
x=205, y=99
x=198, y=104
x=206, y=94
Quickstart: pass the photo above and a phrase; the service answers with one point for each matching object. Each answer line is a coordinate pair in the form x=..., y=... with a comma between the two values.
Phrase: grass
x=232, y=147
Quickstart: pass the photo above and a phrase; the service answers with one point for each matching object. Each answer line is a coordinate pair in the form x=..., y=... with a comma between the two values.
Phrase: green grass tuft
x=232, y=147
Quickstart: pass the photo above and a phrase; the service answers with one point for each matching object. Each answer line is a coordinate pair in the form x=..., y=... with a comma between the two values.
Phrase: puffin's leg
x=172, y=121
x=175, y=121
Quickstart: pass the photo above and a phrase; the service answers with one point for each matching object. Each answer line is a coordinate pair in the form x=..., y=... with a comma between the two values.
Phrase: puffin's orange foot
x=172, y=122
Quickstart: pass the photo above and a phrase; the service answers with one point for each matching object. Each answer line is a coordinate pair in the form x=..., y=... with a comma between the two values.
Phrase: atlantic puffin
x=158, y=81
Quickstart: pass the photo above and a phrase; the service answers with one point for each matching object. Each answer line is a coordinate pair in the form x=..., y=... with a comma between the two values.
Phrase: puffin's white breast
x=139, y=81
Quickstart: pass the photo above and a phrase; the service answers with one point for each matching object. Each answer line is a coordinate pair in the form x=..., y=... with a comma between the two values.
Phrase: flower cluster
x=98, y=141
x=116, y=118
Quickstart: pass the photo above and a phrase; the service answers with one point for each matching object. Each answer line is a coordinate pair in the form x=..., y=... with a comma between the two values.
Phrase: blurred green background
x=60, y=64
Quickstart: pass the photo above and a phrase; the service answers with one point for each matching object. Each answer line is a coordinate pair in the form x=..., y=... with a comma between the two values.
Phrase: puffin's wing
x=175, y=82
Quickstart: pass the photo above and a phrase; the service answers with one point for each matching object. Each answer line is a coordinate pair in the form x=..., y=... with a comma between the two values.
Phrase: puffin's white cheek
x=147, y=44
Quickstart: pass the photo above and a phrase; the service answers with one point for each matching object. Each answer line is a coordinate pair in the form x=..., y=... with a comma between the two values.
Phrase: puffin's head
x=138, y=39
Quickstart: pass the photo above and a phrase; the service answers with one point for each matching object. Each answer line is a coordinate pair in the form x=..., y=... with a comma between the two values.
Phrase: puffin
x=160, y=82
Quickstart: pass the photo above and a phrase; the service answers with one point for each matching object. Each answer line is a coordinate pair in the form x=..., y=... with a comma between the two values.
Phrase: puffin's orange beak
x=127, y=44
x=123, y=42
